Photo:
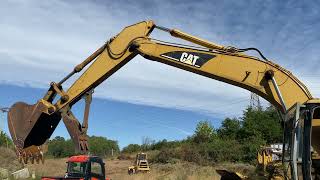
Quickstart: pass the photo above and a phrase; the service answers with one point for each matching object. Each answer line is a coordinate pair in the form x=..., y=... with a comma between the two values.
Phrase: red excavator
x=83, y=167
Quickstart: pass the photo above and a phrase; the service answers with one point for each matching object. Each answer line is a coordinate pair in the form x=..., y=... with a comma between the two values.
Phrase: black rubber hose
x=255, y=49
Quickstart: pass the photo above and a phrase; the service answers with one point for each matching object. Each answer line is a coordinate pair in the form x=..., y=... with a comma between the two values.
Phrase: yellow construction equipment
x=140, y=164
x=269, y=165
x=31, y=125
x=269, y=162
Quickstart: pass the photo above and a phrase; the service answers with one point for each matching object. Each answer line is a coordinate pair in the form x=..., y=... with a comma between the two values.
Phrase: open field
x=117, y=169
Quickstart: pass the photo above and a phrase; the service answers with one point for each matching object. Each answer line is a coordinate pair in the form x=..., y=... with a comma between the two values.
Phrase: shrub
x=165, y=156
x=250, y=147
x=191, y=154
x=124, y=157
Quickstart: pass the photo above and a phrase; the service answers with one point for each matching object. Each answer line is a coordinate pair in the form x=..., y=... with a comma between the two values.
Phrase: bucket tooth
x=33, y=153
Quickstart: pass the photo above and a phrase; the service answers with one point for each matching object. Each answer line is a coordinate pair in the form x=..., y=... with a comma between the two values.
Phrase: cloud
x=43, y=40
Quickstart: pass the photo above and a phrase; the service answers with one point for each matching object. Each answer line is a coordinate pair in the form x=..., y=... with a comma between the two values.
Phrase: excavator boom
x=31, y=125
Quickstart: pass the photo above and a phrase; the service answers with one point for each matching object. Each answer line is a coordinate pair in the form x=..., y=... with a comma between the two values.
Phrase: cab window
x=76, y=169
x=96, y=169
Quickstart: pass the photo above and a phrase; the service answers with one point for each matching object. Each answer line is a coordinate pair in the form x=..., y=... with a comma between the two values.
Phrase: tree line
x=237, y=140
x=100, y=146
x=60, y=147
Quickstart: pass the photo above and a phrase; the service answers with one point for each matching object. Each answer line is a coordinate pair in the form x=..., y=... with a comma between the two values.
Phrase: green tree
x=250, y=147
x=204, y=132
x=164, y=144
x=131, y=148
x=261, y=123
x=229, y=128
x=59, y=147
x=4, y=139
x=102, y=146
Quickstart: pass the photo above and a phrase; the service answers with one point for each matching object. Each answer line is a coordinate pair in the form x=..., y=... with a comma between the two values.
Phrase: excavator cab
x=83, y=167
x=141, y=157
x=300, y=121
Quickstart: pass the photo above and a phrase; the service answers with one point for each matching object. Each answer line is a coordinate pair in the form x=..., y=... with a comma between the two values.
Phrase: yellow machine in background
x=31, y=125
x=264, y=157
x=269, y=162
x=269, y=165
x=140, y=165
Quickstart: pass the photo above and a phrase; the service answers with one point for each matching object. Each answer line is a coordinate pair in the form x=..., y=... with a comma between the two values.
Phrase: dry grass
x=117, y=169
x=51, y=167
x=180, y=171
x=8, y=160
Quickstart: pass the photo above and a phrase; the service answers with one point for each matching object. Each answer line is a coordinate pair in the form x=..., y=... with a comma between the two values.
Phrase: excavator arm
x=32, y=125
x=250, y=73
x=211, y=60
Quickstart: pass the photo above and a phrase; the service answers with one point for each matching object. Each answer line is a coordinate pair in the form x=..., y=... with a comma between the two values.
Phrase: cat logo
x=191, y=58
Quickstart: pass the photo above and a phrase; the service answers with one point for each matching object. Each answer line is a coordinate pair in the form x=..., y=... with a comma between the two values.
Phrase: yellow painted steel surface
x=233, y=68
x=108, y=62
x=239, y=70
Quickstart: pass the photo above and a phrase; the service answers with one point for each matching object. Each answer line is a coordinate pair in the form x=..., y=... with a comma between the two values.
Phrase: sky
x=41, y=41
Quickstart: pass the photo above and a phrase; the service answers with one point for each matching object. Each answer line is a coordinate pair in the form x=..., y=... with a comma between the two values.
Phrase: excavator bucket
x=230, y=175
x=30, y=126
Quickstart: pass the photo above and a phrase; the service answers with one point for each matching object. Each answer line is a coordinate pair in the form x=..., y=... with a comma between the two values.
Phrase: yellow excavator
x=31, y=125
